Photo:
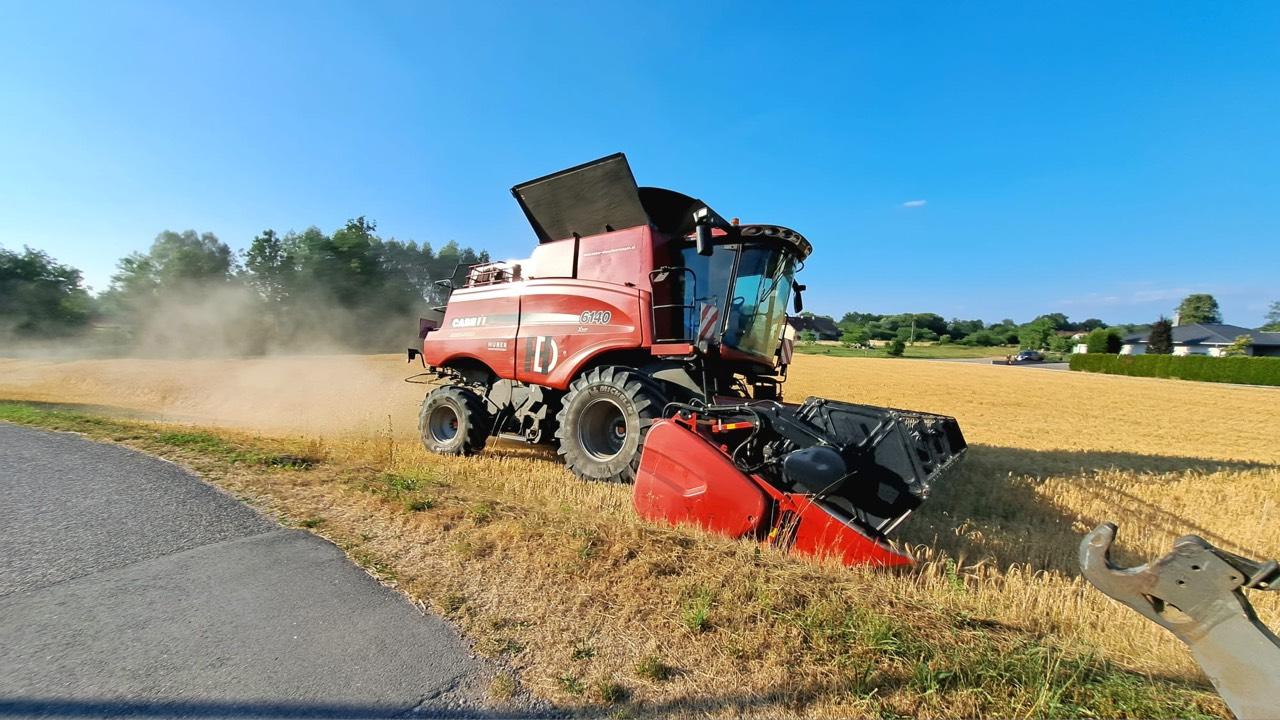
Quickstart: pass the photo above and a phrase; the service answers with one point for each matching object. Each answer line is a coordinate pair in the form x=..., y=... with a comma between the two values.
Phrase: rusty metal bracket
x=1197, y=593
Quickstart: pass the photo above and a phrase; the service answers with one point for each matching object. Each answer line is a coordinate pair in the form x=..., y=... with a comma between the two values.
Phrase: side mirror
x=702, y=231
x=703, y=239
x=799, y=302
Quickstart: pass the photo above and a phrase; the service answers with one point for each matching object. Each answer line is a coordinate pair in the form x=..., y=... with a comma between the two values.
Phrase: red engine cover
x=685, y=479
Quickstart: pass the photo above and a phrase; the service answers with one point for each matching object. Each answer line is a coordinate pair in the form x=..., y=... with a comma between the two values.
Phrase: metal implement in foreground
x=646, y=340
x=1197, y=593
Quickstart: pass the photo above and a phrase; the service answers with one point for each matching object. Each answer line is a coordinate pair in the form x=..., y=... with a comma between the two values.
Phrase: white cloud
x=915, y=203
x=1144, y=296
x=1129, y=297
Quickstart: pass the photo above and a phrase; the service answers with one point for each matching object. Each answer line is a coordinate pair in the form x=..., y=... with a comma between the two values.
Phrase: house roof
x=1211, y=334
x=825, y=326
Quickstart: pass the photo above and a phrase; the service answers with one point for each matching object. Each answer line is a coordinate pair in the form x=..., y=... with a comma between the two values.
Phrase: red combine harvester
x=645, y=339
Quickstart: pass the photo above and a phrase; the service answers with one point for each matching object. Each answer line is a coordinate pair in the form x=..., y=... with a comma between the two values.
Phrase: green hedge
x=1247, y=370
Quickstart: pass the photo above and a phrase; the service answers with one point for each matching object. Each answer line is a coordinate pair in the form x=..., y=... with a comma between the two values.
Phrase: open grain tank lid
x=597, y=197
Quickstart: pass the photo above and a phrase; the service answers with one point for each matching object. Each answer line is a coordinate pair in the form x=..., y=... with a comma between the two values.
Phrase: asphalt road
x=988, y=361
x=128, y=587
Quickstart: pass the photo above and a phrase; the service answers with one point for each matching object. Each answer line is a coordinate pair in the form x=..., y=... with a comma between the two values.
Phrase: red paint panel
x=620, y=257
x=564, y=323
x=820, y=534
x=479, y=323
x=665, y=349
x=685, y=479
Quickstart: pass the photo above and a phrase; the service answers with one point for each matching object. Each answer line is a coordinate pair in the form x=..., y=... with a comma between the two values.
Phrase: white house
x=1207, y=339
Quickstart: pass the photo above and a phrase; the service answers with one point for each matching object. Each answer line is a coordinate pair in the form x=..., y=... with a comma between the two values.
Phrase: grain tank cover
x=588, y=199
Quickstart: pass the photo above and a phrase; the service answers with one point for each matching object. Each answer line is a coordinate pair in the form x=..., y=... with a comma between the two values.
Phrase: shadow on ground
x=108, y=707
x=791, y=700
x=989, y=509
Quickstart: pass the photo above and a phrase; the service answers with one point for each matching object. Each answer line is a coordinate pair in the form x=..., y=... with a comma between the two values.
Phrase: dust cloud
x=232, y=320
x=331, y=396
x=216, y=353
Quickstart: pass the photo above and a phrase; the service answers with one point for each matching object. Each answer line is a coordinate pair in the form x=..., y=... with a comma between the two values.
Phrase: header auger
x=646, y=340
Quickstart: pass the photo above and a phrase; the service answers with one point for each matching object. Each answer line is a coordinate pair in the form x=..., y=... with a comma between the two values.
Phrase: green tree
x=412, y=264
x=1273, y=318
x=1240, y=346
x=1058, y=320
x=271, y=266
x=858, y=318
x=960, y=329
x=896, y=347
x=177, y=265
x=1103, y=340
x=345, y=266
x=1035, y=335
x=878, y=331
x=1061, y=343
x=188, y=257
x=1005, y=332
x=40, y=297
x=1160, y=340
x=854, y=337
x=1114, y=343
x=932, y=322
x=185, y=296
x=1199, y=308
x=808, y=337
x=982, y=338
x=355, y=293
x=449, y=262
x=175, y=259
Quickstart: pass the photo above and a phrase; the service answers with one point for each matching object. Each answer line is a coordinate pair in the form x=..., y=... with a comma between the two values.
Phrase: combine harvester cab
x=646, y=339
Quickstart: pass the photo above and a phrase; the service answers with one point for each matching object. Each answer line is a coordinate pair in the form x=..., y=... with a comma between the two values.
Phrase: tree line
x=353, y=290
x=191, y=293
x=1047, y=331
x=1051, y=331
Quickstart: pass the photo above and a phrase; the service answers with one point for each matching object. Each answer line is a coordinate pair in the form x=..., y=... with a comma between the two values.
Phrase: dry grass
x=596, y=608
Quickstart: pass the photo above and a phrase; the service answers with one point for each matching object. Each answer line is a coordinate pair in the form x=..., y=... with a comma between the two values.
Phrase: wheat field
x=561, y=578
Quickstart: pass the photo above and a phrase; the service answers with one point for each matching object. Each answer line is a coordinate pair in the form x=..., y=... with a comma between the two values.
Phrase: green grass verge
x=153, y=438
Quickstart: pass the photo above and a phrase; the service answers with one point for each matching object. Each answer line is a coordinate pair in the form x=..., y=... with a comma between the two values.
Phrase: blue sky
x=973, y=159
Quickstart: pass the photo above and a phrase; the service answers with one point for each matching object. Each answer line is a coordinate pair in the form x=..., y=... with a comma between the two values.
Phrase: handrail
x=661, y=275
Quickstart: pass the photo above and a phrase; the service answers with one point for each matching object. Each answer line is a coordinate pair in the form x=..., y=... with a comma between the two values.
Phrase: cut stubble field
x=595, y=608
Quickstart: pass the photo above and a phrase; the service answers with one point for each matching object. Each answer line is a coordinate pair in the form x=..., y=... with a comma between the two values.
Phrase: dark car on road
x=1029, y=356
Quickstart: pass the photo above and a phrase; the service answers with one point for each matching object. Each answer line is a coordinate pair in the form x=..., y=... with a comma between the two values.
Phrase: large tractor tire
x=603, y=420
x=454, y=421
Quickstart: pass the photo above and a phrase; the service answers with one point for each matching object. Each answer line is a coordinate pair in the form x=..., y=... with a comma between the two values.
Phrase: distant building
x=1207, y=339
x=825, y=328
